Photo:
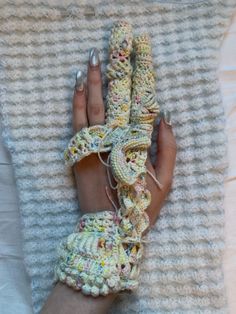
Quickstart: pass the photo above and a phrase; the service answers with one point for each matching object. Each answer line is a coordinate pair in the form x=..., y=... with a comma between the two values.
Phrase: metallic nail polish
x=94, y=57
x=79, y=84
x=166, y=115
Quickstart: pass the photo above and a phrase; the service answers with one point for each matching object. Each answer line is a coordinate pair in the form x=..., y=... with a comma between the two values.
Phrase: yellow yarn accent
x=109, y=244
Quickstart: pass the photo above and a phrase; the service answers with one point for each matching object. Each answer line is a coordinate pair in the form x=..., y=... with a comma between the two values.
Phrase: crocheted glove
x=103, y=253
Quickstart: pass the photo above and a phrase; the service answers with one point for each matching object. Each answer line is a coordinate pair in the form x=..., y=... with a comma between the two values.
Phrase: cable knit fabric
x=42, y=44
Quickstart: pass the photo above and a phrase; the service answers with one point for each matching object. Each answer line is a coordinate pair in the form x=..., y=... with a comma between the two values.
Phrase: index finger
x=119, y=72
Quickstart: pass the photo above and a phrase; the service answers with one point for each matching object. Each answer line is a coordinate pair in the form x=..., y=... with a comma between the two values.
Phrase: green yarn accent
x=103, y=253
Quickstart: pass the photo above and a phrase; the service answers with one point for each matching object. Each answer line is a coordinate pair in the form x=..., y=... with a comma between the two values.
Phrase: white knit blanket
x=42, y=44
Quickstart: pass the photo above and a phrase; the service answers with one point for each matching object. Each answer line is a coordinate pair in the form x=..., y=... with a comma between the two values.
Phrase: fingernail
x=166, y=115
x=79, y=84
x=94, y=57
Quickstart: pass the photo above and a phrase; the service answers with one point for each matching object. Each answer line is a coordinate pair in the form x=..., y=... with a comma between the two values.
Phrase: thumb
x=166, y=151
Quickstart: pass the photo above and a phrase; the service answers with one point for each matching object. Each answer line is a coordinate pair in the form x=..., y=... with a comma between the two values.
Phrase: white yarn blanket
x=42, y=44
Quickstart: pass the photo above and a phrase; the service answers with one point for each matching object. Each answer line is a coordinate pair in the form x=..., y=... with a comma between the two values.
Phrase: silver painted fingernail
x=166, y=115
x=79, y=81
x=94, y=57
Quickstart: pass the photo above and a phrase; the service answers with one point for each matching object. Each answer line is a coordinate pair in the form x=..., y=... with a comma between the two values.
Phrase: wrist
x=66, y=300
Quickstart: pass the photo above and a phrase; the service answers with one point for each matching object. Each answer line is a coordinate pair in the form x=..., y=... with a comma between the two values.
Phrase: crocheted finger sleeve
x=119, y=72
x=128, y=156
x=144, y=107
x=104, y=252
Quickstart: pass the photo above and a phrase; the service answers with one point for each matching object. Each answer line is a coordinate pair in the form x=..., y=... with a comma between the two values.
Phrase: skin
x=88, y=110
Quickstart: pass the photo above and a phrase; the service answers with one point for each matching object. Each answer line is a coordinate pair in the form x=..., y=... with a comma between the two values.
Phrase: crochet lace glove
x=103, y=253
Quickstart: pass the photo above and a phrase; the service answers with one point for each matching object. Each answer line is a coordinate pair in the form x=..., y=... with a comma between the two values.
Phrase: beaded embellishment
x=103, y=253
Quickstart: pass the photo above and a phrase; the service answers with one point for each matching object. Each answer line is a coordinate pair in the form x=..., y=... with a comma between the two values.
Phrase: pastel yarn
x=84, y=263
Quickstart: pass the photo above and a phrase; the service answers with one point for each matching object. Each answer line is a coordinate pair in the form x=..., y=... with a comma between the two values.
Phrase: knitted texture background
x=42, y=44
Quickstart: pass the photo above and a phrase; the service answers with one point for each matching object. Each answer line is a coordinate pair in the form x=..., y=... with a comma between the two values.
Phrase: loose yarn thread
x=103, y=253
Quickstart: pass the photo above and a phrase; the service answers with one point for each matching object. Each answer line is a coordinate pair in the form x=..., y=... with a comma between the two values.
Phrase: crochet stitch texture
x=41, y=47
x=83, y=263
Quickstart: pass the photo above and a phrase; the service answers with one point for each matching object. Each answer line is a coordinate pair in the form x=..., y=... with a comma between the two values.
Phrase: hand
x=91, y=179
x=90, y=173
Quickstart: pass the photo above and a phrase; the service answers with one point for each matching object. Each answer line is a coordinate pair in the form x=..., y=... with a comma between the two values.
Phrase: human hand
x=93, y=184
x=91, y=175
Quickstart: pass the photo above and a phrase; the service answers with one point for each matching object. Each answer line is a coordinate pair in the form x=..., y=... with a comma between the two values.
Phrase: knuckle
x=170, y=144
x=167, y=184
x=79, y=126
x=94, y=79
x=173, y=144
x=80, y=105
x=95, y=109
